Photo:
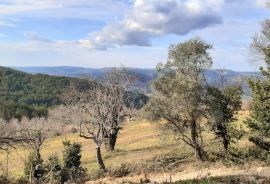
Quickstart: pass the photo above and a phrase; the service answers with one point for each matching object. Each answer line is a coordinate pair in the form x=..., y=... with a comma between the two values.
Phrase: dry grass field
x=139, y=142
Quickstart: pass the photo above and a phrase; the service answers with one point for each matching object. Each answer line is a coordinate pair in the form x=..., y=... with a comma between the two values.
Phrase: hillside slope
x=24, y=94
x=30, y=95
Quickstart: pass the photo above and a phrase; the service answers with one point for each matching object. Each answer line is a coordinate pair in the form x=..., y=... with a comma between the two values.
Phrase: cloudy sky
x=133, y=33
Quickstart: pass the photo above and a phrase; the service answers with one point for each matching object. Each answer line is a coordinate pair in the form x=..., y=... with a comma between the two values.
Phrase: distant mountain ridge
x=145, y=76
x=73, y=71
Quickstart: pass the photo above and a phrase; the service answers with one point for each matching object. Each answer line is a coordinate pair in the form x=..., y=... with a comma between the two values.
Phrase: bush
x=122, y=171
x=236, y=156
x=53, y=168
x=34, y=165
x=72, y=169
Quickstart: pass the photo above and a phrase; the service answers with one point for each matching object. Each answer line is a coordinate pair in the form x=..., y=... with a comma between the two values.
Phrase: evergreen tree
x=72, y=169
x=259, y=120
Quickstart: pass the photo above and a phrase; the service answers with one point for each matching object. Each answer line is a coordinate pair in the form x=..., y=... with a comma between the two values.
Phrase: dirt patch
x=189, y=174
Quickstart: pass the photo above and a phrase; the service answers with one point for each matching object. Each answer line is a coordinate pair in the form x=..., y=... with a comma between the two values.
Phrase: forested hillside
x=145, y=76
x=31, y=95
x=28, y=95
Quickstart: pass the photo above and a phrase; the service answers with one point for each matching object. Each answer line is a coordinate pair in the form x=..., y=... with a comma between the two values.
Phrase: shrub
x=121, y=171
x=34, y=166
x=53, y=168
x=72, y=169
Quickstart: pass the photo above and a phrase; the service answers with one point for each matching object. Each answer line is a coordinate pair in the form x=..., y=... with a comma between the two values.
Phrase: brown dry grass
x=138, y=143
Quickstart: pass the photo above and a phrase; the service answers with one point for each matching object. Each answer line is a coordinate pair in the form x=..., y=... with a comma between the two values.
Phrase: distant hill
x=143, y=76
x=31, y=94
x=70, y=71
x=146, y=75
x=23, y=94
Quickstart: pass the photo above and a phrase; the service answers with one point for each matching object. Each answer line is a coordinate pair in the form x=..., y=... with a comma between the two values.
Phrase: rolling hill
x=30, y=95
x=23, y=94
x=145, y=76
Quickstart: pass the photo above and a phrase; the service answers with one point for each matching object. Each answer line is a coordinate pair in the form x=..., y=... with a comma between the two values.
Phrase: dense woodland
x=29, y=95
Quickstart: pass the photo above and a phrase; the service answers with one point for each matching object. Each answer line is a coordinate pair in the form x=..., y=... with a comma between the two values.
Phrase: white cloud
x=153, y=18
x=262, y=3
x=11, y=7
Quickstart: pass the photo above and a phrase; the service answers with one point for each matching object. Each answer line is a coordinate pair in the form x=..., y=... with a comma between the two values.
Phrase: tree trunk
x=225, y=143
x=111, y=141
x=199, y=152
x=99, y=159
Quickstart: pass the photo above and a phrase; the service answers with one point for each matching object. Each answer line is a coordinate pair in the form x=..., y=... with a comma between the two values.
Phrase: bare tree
x=38, y=129
x=101, y=109
x=116, y=83
x=12, y=135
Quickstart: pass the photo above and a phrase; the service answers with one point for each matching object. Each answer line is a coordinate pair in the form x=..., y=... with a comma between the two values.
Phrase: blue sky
x=133, y=33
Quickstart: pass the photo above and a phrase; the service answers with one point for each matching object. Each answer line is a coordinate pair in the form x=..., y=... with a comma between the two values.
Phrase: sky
x=131, y=33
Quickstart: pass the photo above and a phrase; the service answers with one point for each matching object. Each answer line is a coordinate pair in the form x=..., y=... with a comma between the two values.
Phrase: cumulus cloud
x=152, y=18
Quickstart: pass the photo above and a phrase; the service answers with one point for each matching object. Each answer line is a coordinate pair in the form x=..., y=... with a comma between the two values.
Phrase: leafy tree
x=259, y=120
x=180, y=92
x=222, y=106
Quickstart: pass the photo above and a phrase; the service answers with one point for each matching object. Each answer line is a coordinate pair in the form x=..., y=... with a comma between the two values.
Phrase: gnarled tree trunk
x=199, y=152
x=110, y=142
x=226, y=143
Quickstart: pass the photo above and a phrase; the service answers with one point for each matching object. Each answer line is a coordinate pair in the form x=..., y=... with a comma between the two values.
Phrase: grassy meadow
x=140, y=145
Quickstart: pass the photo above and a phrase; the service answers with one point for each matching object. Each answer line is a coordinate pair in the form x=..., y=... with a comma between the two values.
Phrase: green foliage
x=53, y=169
x=28, y=95
x=34, y=166
x=179, y=96
x=222, y=106
x=259, y=121
x=72, y=169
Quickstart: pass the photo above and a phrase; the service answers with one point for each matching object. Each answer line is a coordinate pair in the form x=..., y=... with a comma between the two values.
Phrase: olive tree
x=222, y=107
x=180, y=92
